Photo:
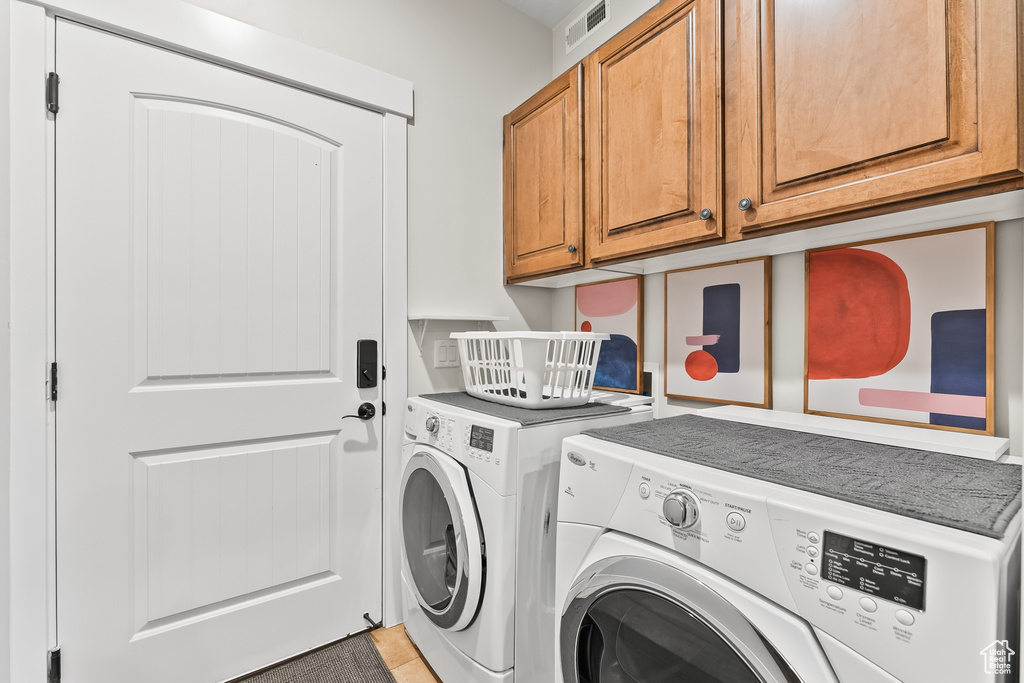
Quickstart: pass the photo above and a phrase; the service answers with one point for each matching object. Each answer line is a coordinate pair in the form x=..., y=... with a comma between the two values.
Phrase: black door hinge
x=383, y=372
x=52, y=88
x=383, y=408
x=53, y=381
x=53, y=665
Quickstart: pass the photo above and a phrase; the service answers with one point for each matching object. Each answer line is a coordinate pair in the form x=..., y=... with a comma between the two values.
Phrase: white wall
x=5, y=347
x=470, y=63
x=788, y=332
x=621, y=13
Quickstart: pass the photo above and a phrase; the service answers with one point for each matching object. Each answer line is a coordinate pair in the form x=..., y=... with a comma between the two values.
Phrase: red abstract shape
x=606, y=299
x=586, y=326
x=701, y=365
x=858, y=314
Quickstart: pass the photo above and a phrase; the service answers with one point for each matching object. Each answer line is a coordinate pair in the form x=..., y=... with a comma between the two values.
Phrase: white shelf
x=471, y=318
x=424, y=319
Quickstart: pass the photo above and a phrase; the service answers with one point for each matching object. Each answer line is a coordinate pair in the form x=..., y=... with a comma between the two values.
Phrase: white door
x=218, y=255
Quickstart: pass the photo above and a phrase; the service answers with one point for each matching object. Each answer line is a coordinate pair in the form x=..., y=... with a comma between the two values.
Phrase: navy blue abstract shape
x=722, y=317
x=616, y=364
x=958, y=361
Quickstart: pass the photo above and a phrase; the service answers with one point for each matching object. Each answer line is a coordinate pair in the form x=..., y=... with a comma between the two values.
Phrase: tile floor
x=401, y=656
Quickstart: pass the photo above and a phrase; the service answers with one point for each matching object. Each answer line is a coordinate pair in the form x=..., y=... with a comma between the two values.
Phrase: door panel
x=218, y=251
x=846, y=106
x=233, y=257
x=653, y=133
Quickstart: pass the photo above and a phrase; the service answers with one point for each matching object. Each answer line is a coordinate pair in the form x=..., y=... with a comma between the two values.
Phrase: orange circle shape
x=701, y=365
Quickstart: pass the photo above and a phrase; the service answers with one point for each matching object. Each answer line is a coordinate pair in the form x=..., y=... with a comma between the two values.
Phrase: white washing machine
x=479, y=488
x=671, y=567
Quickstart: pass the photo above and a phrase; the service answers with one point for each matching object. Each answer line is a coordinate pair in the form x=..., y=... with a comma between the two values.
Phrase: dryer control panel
x=483, y=445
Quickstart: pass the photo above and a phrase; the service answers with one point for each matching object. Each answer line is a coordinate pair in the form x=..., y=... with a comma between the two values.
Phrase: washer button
x=736, y=521
x=813, y=537
x=811, y=568
x=812, y=551
x=834, y=592
x=904, y=617
x=645, y=490
x=868, y=605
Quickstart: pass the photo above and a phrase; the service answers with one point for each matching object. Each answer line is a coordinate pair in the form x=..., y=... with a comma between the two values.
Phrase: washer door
x=636, y=619
x=444, y=546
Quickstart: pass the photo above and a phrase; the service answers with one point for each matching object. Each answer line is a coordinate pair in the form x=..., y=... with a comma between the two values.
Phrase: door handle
x=366, y=411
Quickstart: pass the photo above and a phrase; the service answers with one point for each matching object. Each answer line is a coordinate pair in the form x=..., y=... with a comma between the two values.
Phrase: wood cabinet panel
x=653, y=133
x=845, y=106
x=840, y=88
x=543, y=181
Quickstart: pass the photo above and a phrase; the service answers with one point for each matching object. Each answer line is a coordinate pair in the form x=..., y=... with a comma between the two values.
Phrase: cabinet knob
x=705, y=214
x=745, y=204
x=572, y=248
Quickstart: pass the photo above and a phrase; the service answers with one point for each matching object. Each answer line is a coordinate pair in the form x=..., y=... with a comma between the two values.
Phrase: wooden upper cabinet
x=543, y=169
x=846, y=105
x=653, y=133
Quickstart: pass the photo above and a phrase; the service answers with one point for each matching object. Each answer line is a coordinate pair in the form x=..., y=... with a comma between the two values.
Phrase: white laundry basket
x=530, y=369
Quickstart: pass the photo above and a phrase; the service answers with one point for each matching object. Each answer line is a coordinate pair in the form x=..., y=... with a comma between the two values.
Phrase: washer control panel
x=918, y=600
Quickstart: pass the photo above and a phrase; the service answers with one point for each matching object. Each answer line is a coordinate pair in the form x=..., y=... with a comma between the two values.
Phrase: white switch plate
x=446, y=353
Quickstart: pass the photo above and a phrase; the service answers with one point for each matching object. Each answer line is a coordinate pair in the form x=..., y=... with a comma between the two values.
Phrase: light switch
x=446, y=353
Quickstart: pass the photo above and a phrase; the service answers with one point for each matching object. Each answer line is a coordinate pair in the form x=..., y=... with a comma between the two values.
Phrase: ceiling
x=547, y=12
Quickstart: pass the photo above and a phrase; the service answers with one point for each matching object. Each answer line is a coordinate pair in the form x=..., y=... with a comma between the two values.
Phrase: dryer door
x=442, y=539
x=636, y=619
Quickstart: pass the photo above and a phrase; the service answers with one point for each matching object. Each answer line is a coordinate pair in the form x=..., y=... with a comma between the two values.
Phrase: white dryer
x=479, y=488
x=682, y=556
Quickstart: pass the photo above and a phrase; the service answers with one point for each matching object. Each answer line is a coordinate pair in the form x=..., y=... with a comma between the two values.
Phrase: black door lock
x=366, y=411
x=366, y=364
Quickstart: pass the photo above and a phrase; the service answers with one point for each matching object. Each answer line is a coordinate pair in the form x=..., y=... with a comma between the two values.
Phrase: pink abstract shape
x=701, y=366
x=703, y=340
x=946, y=404
x=606, y=298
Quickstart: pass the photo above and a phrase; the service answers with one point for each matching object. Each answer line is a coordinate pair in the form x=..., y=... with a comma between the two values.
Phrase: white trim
x=396, y=358
x=196, y=32
x=31, y=476
x=222, y=40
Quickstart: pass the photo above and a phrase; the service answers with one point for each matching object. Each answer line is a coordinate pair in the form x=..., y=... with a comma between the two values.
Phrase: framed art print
x=615, y=307
x=900, y=330
x=718, y=333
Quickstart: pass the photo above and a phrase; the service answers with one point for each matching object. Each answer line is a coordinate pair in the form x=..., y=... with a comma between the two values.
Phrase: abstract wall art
x=717, y=333
x=900, y=330
x=615, y=307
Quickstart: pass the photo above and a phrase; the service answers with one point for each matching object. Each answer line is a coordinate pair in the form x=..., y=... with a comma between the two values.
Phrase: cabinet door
x=653, y=133
x=851, y=105
x=543, y=170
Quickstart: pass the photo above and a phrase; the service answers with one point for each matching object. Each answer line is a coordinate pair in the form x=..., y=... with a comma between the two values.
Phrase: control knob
x=681, y=509
x=432, y=424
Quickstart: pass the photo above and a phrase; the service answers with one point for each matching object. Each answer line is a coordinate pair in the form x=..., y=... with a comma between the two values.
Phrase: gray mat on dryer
x=963, y=493
x=527, y=417
x=354, y=660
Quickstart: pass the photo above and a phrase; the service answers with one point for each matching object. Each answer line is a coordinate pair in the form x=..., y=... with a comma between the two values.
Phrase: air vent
x=585, y=24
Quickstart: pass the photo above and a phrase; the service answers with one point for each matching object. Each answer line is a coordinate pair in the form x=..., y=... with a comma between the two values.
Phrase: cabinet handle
x=745, y=204
x=705, y=214
x=572, y=248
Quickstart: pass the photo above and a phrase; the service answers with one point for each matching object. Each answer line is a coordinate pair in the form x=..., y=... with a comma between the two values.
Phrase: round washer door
x=441, y=537
x=636, y=619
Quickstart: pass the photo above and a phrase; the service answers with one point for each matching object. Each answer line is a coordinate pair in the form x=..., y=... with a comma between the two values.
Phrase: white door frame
x=197, y=32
